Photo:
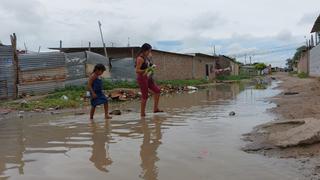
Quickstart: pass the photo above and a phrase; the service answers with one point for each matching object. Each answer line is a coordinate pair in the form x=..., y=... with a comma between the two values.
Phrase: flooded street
x=195, y=139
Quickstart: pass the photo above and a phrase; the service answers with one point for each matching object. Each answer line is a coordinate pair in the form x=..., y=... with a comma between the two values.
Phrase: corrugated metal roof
x=76, y=65
x=6, y=72
x=40, y=88
x=40, y=61
x=3, y=89
x=75, y=58
x=316, y=26
x=123, y=69
x=43, y=75
x=94, y=58
x=76, y=82
x=76, y=72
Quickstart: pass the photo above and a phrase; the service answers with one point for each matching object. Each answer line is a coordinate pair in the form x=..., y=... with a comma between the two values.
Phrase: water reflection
x=12, y=148
x=150, y=144
x=23, y=141
x=100, y=147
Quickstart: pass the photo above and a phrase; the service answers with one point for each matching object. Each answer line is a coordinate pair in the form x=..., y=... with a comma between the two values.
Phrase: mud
x=195, y=139
x=295, y=133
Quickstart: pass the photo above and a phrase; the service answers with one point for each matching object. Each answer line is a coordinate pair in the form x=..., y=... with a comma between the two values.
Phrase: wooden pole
x=104, y=45
x=60, y=45
x=13, y=38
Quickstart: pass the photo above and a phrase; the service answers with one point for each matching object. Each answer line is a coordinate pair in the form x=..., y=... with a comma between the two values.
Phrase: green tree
x=298, y=53
x=290, y=63
x=260, y=67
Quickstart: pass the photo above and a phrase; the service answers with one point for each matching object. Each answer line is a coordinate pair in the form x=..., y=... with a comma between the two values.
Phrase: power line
x=268, y=51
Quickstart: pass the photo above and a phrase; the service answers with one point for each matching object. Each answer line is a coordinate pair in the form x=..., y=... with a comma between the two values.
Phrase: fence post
x=13, y=38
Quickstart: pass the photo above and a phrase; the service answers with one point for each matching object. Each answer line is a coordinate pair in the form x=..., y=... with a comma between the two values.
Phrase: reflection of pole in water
x=13, y=149
x=149, y=147
x=100, y=150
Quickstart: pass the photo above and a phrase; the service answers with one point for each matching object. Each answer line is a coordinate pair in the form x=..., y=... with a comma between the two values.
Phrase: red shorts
x=145, y=84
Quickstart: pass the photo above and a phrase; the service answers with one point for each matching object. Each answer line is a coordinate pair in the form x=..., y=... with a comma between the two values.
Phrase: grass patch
x=260, y=86
x=293, y=73
x=75, y=95
x=191, y=82
x=233, y=78
x=302, y=75
x=109, y=85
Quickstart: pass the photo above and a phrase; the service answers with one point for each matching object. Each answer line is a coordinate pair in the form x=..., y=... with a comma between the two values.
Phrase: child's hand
x=94, y=96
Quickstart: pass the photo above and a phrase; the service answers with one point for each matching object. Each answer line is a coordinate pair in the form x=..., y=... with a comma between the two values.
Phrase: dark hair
x=99, y=67
x=145, y=47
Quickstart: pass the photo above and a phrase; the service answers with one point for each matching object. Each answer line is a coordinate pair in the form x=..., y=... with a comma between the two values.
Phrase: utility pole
x=245, y=58
x=104, y=44
x=89, y=46
x=40, y=49
x=60, y=45
x=214, y=49
x=25, y=47
x=128, y=41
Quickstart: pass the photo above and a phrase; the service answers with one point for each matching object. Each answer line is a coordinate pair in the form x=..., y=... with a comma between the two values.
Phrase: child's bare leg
x=92, y=110
x=143, y=107
x=106, y=111
x=156, y=102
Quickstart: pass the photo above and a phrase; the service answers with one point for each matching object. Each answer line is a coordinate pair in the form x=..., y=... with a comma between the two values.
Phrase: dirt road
x=295, y=134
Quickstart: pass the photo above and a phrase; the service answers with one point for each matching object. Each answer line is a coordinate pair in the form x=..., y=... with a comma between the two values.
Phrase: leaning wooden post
x=15, y=64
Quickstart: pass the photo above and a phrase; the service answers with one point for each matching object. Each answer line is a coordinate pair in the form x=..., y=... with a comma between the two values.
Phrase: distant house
x=249, y=70
x=170, y=65
x=314, y=54
x=230, y=65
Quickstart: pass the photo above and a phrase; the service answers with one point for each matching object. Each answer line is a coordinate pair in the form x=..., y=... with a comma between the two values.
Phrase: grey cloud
x=308, y=18
x=284, y=35
x=207, y=21
x=30, y=11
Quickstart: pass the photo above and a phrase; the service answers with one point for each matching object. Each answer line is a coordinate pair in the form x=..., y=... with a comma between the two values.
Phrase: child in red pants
x=146, y=82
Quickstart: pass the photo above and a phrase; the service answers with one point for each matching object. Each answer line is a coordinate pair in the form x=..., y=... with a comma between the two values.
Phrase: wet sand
x=195, y=139
x=297, y=107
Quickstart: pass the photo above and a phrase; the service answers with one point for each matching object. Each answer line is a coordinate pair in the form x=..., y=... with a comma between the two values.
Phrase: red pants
x=145, y=84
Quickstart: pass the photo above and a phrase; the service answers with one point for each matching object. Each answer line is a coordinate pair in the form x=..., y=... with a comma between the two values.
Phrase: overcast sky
x=185, y=26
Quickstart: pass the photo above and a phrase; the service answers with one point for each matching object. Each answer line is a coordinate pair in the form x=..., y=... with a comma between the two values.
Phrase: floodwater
x=195, y=139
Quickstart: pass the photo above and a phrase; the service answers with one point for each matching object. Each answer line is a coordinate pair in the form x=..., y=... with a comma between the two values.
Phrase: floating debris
x=232, y=113
x=64, y=97
x=115, y=112
x=290, y=93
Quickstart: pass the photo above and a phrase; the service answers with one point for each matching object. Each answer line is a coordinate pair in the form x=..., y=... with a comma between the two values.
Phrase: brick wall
x=200, y=63
x=172, y=66
x=235, y=69
x=303, y=65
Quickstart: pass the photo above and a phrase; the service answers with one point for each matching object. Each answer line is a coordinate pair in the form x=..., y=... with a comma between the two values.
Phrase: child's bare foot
x=158, y=111
x=143, y=114
x=91, y=123
x=107, y=117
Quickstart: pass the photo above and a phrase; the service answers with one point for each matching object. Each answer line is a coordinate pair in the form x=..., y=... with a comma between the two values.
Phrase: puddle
x=195, y=139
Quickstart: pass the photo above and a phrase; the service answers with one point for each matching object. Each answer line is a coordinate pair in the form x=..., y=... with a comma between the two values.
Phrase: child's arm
x=90, y=82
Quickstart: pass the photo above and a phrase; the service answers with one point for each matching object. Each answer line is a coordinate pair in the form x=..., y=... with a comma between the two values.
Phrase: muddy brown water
x=195, y=139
